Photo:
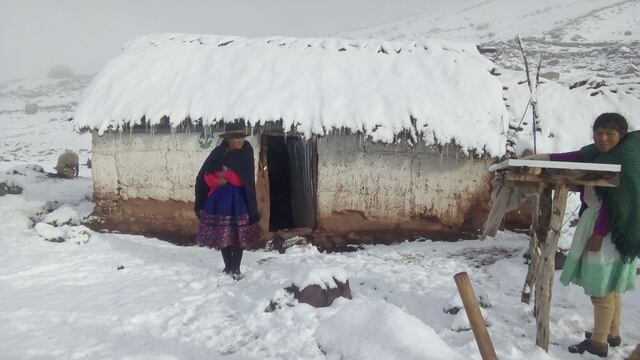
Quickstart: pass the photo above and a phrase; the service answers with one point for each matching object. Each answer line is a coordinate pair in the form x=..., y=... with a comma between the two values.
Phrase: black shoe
x=236, y=274
x=612, y=340
x=591, y=347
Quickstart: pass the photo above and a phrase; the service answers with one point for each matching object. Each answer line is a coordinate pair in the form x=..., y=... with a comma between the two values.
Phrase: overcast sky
x=85, y=34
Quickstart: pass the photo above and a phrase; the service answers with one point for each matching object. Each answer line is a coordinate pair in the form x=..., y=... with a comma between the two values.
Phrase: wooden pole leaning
x=471, y=306
x=547, y=266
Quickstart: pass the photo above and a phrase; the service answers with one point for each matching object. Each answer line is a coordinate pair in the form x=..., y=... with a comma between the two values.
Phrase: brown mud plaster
x=169, y=220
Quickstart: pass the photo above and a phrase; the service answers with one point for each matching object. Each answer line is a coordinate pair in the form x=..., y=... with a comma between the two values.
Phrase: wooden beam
x=546, y=268
x=471, y=306
x=612, y=181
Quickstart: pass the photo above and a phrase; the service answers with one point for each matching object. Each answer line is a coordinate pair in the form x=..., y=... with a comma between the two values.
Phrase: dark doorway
x=291, y=186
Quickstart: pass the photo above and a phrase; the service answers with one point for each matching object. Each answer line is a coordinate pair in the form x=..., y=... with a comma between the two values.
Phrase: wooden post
x=538, y=239
x=546, y=267
x=471, y=306
x=534, y=259
x=262, y=186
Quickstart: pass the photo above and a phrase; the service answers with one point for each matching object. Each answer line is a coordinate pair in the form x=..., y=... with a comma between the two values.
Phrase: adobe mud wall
x=364, y=186
x=144, y=183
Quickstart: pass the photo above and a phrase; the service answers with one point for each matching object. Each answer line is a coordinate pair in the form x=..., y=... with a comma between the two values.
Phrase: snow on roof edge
x=380, y=88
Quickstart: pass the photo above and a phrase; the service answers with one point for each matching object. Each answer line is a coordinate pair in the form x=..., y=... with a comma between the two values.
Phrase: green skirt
x=598, y=272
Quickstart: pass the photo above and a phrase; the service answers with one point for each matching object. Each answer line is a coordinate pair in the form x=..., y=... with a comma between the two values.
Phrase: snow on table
x=554, y=165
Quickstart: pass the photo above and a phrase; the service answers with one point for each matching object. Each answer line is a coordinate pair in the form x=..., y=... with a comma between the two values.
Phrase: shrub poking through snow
x=78, y=234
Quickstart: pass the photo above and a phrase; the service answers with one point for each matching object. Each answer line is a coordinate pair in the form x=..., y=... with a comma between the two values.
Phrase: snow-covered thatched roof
x=442, y=90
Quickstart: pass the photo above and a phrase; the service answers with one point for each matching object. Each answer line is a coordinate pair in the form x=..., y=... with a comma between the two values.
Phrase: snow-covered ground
x=118, y=296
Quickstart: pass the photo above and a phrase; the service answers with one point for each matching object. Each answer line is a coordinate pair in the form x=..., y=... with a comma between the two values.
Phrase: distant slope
x=577, y=39
x=590, y=49
x=483, y=21
x=44, y=132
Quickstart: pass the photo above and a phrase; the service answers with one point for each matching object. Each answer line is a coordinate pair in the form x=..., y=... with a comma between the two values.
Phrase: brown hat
x=235, y=130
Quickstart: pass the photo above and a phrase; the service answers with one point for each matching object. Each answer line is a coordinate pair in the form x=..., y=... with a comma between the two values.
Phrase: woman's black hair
x=613, y=121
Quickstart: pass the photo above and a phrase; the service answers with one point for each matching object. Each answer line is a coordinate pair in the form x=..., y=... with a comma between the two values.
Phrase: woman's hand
x=595, y=242
x=222, y=181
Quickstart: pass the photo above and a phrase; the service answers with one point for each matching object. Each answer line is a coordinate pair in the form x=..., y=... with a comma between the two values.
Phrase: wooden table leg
x=538, y=238
x=546, y=267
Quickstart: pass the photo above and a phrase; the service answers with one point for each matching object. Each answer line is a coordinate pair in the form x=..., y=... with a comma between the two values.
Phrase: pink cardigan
x=212, y=180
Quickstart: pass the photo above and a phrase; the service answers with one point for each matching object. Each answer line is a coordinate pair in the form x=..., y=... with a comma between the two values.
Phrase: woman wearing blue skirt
x=226, y=199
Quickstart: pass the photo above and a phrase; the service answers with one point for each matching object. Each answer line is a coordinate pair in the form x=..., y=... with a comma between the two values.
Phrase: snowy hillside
x=577, y=39
x=482, y=21
x=589, y=53
x=43, y=134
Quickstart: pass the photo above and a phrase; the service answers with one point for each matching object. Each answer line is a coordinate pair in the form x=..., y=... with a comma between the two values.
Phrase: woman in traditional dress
x=606, y=243
x=226, y=199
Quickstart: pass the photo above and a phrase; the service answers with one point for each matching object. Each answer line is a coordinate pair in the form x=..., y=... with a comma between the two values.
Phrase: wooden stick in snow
x=471, y=306
x=532, y=90
x=547, y=267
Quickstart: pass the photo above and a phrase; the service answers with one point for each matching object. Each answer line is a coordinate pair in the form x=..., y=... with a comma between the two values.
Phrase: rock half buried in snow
x=461, y=321
x=25, y=170
x=629, y=69
x=379, y=331
x=11, y=189
x=551, y=75
x=63, y=215
x=50, y=232
x=320, y=287
x=455, y=303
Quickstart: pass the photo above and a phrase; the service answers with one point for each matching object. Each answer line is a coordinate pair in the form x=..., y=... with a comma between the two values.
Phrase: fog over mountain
x=37, y=34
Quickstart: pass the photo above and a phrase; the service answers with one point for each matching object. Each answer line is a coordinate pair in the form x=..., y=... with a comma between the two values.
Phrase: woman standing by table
x=225, y=200
x=606, y=243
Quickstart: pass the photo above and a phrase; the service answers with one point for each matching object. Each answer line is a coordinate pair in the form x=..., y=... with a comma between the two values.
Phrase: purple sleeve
x=603, y=222
x=574, y=156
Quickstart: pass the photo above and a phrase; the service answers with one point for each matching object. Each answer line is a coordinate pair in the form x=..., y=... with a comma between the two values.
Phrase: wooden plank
x=554, y=165
x=546, y=268
x=534, y=259
x=471, y=306
x=538, y=238
x=562, y=179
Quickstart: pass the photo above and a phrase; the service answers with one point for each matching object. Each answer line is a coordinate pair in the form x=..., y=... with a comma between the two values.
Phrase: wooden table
x=560, y=178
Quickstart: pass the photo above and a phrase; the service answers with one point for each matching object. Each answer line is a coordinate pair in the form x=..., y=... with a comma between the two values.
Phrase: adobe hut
x=350, y=136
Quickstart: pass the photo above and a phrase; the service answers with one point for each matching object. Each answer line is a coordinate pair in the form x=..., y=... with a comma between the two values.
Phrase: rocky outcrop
x=9, y=189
